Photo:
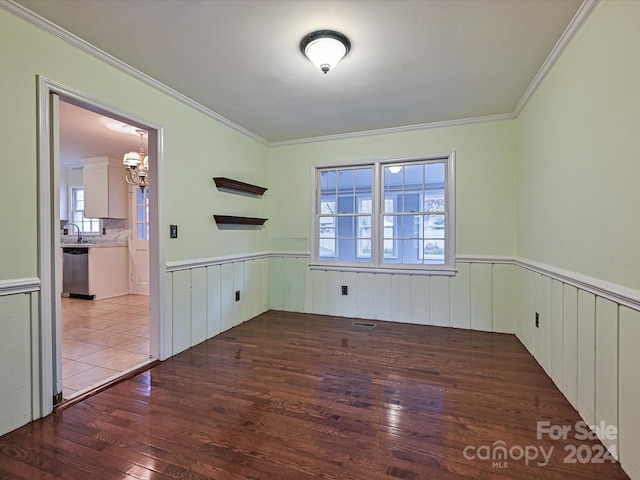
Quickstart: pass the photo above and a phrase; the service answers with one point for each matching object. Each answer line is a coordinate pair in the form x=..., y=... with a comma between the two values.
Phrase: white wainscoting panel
x=481, y=290
x=238, y=286
x=504, y=295
x=592, y=348
x=401, y=298
x=460, y=297
x=201, y=296
x=15, y=357
x=420, y=299
x=557, y=332
x=227, y=296
x=181, y=313
x=366, y=296
x=606, y=367
x=276, y=283
x=487, y=297
x=318, y=288
x=536, y=304
x=198, y=305
x=629, y=416
x=334, y=293
x=439, y=305
x=168, y=308
x=629, y=420
x=546, y=326
x=349, y=302
x=570, y=346
x=383, y=284
x=214, y=305
x=302, y=264
x=587, y=356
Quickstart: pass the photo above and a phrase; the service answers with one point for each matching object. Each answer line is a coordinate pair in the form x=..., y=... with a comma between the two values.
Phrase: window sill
x=418, y=270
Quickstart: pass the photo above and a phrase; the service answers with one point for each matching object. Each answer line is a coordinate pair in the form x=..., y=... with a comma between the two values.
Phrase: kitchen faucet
x=79, y=234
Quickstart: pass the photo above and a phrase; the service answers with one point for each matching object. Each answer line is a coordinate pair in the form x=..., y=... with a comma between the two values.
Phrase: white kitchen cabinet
x=108, y=271
x=105, y=188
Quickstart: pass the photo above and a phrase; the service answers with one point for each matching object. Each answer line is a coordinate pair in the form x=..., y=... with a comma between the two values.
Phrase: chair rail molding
x=19, y=285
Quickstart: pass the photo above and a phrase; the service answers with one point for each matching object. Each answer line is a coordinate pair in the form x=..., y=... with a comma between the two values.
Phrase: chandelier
x=137, y=164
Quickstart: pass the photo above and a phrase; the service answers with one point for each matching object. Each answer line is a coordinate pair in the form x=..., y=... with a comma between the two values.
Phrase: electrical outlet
x=345, y=290
x=537, y=320
x=104, y=230
x=173, y=231
x=237, y=295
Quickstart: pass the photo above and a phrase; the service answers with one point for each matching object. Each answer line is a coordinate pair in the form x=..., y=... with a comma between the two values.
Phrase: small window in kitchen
x=87, y=226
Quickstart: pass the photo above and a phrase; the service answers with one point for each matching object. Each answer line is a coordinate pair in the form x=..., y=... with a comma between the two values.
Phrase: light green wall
x=485, y=197
x=578, y=165
x=579, y=154
x=196, y=148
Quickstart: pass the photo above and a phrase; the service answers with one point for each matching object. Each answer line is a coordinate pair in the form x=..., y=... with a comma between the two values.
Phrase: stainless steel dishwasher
x=75, y=278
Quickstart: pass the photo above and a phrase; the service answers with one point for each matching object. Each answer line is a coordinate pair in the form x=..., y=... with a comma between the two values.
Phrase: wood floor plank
x=294, y=397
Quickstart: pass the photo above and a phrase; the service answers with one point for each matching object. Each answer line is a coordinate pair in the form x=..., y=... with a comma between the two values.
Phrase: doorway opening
x=90, y=340
x=105, y=309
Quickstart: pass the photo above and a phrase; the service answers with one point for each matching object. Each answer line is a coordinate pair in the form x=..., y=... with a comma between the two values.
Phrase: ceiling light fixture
x=325, y=48
x=137, y=164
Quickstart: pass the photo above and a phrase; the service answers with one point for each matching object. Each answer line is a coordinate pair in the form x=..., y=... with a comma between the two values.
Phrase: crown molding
x=86, y=47
x=387, y=131
x=574, y=26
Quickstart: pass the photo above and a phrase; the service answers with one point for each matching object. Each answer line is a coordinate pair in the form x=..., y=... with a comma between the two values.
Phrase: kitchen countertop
x=91, y=245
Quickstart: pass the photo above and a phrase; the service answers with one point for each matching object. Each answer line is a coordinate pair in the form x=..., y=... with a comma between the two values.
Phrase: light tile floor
x=101, y=339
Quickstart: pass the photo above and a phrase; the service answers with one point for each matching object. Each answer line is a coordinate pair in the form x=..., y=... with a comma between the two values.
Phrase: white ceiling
x=411, y=62
x=85, y=134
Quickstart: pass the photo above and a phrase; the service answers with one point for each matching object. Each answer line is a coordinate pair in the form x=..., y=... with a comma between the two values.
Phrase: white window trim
x=377, y=266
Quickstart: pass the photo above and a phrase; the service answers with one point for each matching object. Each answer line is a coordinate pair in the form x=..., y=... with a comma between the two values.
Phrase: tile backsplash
x=116, y=233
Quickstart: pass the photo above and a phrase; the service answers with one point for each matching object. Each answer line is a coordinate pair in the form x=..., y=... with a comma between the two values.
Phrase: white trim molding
x=394, y=271
x=386, y=131
x=574, y=26
x=611, y=291
x=19, y=285
x=86, y=47
x=209, y=262
x=576, y=23
x=485, y=259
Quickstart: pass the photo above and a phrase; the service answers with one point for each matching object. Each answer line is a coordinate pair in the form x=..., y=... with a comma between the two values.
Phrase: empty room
x=295, y=239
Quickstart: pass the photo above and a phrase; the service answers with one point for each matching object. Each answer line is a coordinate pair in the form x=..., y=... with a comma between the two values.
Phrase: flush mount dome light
x=325, y=48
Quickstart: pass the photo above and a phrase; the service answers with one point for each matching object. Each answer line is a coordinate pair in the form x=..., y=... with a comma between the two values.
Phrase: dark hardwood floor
x=293, y=397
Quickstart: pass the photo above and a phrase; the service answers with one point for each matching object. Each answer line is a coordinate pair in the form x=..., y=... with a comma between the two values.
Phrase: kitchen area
x=95, y=241
x=105, y=297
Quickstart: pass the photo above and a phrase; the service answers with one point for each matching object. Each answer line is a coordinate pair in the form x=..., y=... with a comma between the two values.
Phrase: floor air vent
x=364, y=324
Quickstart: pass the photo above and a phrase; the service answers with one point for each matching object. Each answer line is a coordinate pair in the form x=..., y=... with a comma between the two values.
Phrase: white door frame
x=46, y=362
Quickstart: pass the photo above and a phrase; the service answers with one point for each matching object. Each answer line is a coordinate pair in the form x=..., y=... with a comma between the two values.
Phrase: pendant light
x=137, y=164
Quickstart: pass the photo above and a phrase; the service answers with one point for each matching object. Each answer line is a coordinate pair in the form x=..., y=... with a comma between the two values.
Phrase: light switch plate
x=173, y=231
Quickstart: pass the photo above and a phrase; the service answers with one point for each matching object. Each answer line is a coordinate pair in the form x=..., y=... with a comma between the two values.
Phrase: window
x=87, y=226
x=385, y=215
x=142, y=213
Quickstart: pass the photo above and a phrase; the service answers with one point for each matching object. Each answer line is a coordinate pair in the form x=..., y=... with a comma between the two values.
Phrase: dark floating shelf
x=231, y=220
x=229, y=184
